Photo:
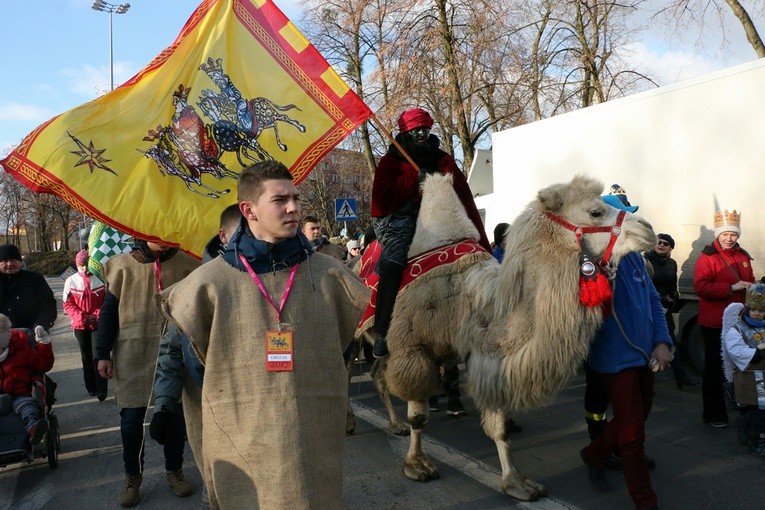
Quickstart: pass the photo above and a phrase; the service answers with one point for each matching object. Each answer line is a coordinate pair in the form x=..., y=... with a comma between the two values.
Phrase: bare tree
x=701, y=13
x=341, y=174
x=11, y=208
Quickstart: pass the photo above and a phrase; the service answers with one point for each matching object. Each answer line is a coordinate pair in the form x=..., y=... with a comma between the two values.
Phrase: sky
x=55, y=53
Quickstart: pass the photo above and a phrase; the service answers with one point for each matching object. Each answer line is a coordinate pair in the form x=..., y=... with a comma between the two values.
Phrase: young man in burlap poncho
x=269, y=321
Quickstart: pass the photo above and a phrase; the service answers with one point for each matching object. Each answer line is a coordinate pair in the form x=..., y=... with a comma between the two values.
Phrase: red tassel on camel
x=594, y=288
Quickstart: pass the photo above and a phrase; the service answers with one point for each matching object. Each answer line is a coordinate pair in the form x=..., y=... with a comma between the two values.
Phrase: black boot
x=380, y=349
x=596, y=474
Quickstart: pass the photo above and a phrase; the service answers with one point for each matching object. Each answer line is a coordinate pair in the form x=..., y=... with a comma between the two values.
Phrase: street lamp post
x=102, y=6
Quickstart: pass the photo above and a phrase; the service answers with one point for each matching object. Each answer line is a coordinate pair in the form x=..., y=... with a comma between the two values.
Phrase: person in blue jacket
x=631, y=344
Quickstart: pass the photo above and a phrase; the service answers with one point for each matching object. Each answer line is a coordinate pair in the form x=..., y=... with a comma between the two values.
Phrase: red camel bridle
x=614, y=230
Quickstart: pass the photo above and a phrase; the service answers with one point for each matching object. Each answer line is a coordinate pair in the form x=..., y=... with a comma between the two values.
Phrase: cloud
x=17, y=112
x=670, y=66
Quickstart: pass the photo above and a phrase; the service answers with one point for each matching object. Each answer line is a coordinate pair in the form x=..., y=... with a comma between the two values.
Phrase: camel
x=520, y=325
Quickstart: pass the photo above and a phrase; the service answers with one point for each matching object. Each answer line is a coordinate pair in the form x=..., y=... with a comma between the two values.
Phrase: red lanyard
x=158, y=274
x=264, y=291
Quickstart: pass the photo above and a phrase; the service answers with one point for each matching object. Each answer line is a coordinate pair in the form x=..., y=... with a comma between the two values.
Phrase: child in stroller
x=23, y=364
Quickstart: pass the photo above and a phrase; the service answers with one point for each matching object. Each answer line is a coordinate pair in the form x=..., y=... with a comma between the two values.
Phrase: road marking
x=445, y=454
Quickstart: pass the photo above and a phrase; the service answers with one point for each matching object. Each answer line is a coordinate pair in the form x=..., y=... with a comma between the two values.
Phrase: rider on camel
x=396, y=202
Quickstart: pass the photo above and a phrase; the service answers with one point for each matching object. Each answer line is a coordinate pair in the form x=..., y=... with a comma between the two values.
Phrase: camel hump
x=442, y=219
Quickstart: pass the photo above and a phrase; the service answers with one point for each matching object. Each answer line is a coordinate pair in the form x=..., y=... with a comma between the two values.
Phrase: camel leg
x=396, y=425
x=496, y=425
x=417, y=466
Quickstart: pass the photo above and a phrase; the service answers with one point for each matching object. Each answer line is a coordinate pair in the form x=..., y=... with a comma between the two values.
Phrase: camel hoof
x=420, y=469
x=524, y=490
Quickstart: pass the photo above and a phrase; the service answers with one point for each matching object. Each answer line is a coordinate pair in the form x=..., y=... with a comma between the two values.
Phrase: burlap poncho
x=135, y=349
x=271, y=439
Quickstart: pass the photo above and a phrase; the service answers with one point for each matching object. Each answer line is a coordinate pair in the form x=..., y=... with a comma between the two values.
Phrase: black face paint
x=419, y=135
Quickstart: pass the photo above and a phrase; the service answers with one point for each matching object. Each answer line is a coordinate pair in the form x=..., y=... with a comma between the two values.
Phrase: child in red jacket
x=19, y=364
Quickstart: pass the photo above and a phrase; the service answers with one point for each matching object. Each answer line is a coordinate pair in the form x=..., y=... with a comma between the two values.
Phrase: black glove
x=161, y=426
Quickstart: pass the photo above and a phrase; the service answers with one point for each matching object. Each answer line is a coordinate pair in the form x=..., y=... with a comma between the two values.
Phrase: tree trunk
x=453, y=84
x=751, y=31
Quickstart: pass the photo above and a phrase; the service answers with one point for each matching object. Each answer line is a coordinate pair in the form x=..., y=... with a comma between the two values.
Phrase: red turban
x=413, y=119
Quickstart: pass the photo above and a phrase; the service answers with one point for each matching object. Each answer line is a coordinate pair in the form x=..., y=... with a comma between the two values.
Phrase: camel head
x=579, y=203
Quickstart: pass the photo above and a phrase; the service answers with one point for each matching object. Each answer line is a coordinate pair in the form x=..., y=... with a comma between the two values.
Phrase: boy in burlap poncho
x=274, y=393
x=129, y=330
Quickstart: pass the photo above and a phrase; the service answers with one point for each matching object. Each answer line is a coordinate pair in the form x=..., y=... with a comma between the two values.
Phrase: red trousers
x=630, y=393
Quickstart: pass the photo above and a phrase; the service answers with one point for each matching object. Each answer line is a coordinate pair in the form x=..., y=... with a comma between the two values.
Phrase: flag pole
x=395, y=143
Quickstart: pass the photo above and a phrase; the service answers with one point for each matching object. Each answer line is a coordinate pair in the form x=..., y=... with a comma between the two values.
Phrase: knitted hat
x=82, y=258
x=5, y=331
x=668, y=238
x=755, y=296
x=10, y=252
x=413, y=119
x=727, y=222
x=352, y=244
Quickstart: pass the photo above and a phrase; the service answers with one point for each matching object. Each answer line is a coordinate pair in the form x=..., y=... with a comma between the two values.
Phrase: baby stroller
x=14, y=441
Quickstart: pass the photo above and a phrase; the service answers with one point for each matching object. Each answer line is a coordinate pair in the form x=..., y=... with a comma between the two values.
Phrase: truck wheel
x=695, y=345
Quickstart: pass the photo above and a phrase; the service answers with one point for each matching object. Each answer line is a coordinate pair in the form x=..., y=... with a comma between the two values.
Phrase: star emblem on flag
x=90, y=156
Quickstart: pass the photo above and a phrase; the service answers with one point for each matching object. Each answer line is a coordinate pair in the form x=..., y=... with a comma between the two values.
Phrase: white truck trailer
x=681, y=152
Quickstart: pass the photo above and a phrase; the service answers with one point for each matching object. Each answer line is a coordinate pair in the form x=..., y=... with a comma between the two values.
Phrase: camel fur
x=519, y=325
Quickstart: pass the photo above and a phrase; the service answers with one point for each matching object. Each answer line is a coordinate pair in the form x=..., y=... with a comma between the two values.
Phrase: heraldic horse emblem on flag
x=189, y=148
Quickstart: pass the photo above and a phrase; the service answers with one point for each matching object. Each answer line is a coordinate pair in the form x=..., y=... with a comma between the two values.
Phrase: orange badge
x=279, y=351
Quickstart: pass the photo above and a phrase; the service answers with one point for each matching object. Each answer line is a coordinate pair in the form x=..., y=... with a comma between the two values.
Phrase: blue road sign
x=345, y=209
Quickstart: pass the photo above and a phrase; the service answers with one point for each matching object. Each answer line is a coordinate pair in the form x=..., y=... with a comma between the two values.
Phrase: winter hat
x=352, y=244
x=10, y=252
x=413, y=119
x=82, y=258
x=5, y=331
x=755, y=296
x=727, y=222
x=668, y=238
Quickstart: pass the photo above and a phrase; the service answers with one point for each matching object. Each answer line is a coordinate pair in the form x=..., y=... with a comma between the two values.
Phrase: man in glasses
x=663, y=269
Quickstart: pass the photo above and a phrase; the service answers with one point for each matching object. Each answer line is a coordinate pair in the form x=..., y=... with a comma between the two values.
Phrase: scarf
x=264, y=256
x=750, y=321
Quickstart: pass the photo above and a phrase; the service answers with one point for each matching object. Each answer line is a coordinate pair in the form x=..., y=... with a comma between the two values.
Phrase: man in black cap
x=663, y=269
x=25, y=296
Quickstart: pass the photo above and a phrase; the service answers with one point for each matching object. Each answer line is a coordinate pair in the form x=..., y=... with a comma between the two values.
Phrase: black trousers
x=595, y=402
x=94, y=383
x=712, y=393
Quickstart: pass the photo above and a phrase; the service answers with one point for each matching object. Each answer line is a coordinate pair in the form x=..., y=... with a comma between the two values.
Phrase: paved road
x=698, y=467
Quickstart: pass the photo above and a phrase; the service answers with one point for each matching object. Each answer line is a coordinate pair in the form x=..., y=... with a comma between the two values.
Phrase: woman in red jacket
x=723, y=273
x=83, y=295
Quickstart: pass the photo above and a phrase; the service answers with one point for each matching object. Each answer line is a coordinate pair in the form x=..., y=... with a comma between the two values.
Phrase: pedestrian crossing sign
x=345, y=209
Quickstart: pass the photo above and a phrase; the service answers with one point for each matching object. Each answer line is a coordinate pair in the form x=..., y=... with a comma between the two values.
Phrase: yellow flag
x=158, y=157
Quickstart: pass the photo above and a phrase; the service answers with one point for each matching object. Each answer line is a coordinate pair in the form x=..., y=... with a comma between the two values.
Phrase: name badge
x=279, y=351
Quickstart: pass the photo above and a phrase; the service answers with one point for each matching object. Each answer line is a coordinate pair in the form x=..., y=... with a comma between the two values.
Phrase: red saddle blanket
x=416, y=267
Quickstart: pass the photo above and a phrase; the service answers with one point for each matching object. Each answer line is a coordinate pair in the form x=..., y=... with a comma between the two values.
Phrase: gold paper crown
x=755, y=296
x=727, y=219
